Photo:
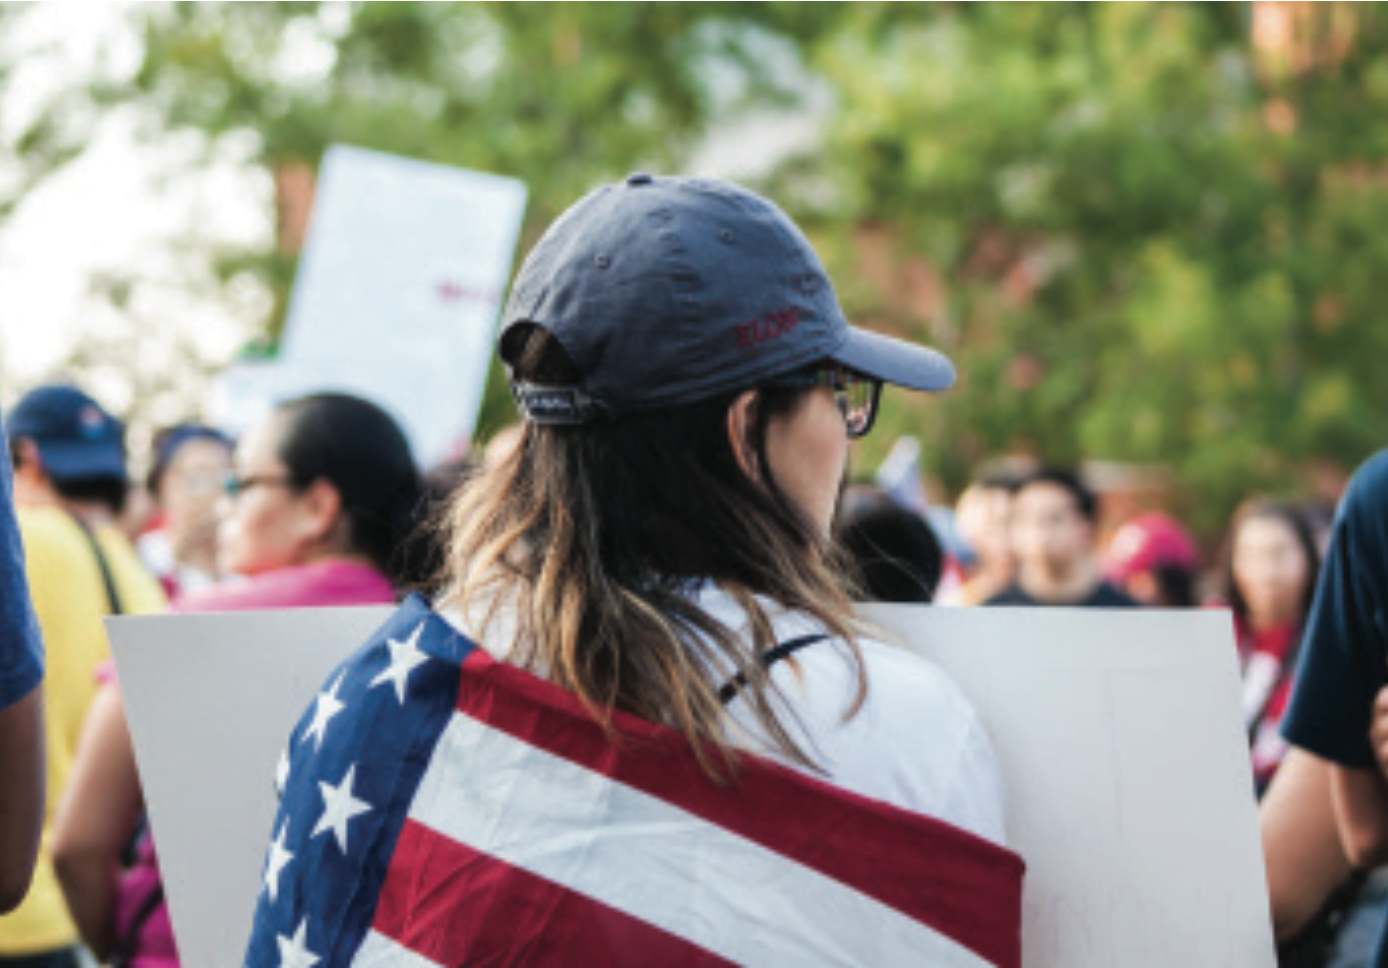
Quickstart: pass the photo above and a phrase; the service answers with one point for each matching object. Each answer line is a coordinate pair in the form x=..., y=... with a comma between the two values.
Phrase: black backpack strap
x=107, y=578
x=786, y=649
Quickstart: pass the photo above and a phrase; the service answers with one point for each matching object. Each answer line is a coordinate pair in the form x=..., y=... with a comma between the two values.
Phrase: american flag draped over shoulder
x=443, y=809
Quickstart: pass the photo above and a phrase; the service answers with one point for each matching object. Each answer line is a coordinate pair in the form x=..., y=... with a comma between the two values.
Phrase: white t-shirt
x=915, y=743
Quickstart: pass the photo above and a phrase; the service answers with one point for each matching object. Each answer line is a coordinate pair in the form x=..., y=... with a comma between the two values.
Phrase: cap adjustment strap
x=555, y=405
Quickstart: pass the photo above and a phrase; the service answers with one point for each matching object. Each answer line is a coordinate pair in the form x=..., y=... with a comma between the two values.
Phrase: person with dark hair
x=1054, y=517
x=69, y=485
x=423, y=549
x=893, y=551
x=983, y=519
x=191, y=462
x=644, y=645
x=21, y=711
x=324, y=495
x=1155, y=560
x=1268, y=576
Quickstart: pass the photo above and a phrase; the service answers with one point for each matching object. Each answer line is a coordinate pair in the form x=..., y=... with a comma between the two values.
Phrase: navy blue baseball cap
x=77, y=439
x=665, y=291
x=168, y=443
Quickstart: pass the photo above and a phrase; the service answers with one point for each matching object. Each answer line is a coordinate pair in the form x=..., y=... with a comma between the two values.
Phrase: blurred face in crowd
x=190, y=489
x=267, y=523
x=1271, y=570
x=983, y=519
x=1048, y=530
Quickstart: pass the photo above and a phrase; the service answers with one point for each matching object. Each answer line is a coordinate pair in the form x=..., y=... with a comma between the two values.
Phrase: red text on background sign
x=450, y=291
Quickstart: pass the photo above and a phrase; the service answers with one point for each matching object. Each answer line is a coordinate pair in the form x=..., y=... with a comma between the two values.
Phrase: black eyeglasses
x=856, y=395
x=235, y=485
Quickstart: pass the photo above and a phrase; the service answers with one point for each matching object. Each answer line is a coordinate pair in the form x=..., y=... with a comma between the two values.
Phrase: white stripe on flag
x=378, y=951
x=656, y=862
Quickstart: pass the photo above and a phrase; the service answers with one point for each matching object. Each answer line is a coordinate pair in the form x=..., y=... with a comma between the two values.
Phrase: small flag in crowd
x=900, y=475
x=443, y=809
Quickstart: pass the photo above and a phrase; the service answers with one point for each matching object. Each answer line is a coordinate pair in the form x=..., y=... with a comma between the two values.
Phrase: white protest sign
x=1118, y=734
x=399, y=288
x=1130, y=791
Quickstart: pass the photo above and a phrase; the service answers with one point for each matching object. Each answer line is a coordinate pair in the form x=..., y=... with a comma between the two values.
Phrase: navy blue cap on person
x=665, y=291
x=170, y=440
x=77, y=439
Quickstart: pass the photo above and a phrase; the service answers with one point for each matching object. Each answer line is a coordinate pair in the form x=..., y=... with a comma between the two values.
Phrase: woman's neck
x=334, y=556
x=1262, y=623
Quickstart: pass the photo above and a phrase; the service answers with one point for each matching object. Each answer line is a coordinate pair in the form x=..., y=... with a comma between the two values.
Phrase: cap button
x=638, y=178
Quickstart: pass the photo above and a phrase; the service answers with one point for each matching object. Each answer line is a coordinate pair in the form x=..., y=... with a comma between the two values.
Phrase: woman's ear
x=320, y=507
x=742, y=412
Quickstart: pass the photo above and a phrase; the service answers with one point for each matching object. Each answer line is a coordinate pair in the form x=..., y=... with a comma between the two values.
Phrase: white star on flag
x=282, y=773
x=339, y=807
x=328, y=707
x=279, y=858
x=294, y=951
x=404, y=657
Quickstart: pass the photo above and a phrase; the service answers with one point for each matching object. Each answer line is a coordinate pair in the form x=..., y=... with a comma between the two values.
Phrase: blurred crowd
x=322, y=505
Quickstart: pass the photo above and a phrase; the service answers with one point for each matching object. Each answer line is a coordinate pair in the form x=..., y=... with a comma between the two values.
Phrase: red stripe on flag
x=967, y=888
x=457, y=907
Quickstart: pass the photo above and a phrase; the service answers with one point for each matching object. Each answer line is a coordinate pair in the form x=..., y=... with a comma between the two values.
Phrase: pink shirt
x=323, y=584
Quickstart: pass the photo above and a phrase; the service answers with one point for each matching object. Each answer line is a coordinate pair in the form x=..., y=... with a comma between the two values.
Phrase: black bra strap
x=786, y=649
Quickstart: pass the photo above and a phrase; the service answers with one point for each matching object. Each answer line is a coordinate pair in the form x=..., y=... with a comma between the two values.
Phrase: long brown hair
x=590, y=539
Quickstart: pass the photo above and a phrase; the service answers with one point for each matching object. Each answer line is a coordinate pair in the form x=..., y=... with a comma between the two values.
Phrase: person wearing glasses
x=324, y=492
x=191, y=464
x=658, y=544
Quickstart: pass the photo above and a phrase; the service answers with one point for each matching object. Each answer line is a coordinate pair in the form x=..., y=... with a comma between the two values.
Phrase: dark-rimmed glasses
x=235, y=485
x=856, y=395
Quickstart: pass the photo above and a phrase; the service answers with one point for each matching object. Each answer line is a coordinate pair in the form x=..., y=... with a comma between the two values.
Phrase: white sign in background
x=1118, y=733
x=397, y=295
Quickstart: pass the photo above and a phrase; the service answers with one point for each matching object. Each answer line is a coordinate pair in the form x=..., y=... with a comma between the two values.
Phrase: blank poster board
x=396, y=297
x=1119, y=735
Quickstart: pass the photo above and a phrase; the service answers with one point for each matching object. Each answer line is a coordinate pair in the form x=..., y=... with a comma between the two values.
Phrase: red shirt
x=1269, y=663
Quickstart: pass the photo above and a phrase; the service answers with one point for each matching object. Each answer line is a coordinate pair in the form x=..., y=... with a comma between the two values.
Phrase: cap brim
x=74, y=462
x=894, y=361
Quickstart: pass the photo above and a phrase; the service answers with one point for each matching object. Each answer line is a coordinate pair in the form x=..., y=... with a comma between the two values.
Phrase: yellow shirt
x=69, y=599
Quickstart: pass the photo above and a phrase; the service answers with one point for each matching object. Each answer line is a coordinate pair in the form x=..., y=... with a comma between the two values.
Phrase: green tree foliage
x=1140, y=237
x=1157, y=245
x=560, y=95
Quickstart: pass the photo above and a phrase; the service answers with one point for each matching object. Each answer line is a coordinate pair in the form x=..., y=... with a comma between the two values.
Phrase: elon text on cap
x=770, y=326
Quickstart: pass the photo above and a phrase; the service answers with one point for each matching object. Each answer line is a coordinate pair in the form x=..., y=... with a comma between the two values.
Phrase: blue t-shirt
x=1344, y=658
x=21, y=648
